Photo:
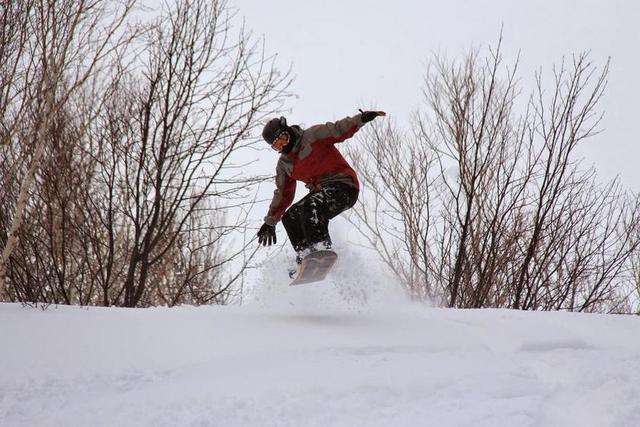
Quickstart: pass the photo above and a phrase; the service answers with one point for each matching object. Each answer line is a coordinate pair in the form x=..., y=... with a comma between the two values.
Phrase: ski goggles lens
x=281, y=140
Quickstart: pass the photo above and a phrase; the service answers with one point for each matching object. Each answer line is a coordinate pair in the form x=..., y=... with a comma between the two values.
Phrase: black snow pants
x=307, y=222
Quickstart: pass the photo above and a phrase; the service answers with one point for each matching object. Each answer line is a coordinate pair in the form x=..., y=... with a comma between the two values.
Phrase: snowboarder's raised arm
x=334, y=132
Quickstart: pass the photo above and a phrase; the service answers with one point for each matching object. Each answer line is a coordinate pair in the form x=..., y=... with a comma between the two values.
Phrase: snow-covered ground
x=348, y=352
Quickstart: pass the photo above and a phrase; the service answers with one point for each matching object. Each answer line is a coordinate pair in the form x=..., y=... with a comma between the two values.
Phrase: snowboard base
x=315, y=267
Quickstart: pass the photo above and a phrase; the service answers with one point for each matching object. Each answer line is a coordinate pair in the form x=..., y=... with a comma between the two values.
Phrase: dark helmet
x=273, y=128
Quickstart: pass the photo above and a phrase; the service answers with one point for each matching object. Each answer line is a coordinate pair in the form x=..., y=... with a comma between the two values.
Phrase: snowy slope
x=329, y=354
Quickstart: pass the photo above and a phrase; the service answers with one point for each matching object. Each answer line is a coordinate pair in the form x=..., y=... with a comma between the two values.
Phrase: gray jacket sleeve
x=282, y=196
x=336, y=131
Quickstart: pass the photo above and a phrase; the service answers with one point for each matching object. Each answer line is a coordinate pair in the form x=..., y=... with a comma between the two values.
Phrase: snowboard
x=315, y=267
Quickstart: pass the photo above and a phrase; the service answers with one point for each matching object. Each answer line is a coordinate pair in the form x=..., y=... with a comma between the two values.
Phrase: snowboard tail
x=315, y=267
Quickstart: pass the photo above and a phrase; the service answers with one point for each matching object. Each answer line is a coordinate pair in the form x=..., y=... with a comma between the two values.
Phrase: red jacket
x=314, y=160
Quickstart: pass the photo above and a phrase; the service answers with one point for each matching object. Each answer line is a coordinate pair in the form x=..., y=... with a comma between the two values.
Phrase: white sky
x=357, y=53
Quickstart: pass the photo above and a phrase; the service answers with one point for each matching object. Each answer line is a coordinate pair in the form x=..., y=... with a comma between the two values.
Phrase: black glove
x=367, y=116
x=267, y=235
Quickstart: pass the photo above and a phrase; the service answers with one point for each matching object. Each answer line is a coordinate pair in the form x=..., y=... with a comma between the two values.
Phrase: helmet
x=273, y=128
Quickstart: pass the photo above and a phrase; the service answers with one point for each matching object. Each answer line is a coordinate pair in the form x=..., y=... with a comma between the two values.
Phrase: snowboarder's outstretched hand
x=267, y=235
x=367, y=116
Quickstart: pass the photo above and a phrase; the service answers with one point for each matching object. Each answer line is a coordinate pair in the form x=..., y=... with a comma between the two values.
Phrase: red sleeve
x=282, y=198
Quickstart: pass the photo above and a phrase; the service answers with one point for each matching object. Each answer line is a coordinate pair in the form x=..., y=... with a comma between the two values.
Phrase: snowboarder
x=309, y=155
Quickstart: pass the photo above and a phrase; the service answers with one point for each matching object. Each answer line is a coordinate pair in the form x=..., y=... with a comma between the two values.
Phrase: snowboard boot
x=300, y=254
x=293, y=270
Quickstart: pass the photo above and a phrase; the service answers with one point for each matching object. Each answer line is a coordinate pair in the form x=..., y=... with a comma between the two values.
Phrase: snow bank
x=302, y=366
x=351, y=351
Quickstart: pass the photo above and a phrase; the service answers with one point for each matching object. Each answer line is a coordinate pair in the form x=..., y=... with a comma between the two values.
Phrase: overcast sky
x=347, y=54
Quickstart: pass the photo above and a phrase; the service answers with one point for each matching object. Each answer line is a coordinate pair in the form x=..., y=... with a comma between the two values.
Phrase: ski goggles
x=282, y=139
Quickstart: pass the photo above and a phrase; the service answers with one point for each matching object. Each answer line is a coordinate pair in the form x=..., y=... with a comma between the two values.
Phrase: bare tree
x=394, y=210
x=507, y=216
x=633, y=300
x=141, y=191
x=471, y=130
x=49, y=241
x=52, y=50
x=561, y=123
x=170, y=141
